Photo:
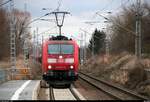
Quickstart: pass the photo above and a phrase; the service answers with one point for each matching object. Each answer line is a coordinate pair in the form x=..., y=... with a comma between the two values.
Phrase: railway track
x=51, y=94
x=63, y=94
x=112, y=90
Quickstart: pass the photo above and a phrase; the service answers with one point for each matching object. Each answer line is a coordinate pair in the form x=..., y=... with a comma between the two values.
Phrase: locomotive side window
x=60, y=49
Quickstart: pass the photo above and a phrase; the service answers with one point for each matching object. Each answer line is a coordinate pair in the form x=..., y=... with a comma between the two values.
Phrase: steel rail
x=136, y=96
x=52, y=97
x=51, y=93
x=105, y=91
x=74, y=94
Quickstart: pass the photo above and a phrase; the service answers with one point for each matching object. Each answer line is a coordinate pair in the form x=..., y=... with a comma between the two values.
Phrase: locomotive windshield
x=60, y=49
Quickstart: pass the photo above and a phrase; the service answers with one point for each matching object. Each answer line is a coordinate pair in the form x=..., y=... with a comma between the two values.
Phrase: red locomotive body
x=60, y=61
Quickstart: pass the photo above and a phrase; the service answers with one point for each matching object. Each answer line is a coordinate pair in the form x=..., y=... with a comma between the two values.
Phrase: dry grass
x=124, y=69
x=20, y=62
x=4, y=65
x=136, y=75
x=36, y=69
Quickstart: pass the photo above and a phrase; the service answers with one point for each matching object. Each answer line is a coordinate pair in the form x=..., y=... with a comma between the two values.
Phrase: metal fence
x=3, y=75
x=17, y=74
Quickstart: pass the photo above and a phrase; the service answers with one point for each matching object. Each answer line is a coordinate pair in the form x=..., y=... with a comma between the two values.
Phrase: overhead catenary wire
x=43, y=32
x=38, y=19
x=116, y=9
x=105, y=7
x=5, y=3
x=119, y=25
x=122, y=4
x=47, y=30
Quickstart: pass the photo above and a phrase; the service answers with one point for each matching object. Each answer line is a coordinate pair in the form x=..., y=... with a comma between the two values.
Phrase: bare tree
x=21, y=27
x=22, y=30
x=4, y=34
x=123, y=40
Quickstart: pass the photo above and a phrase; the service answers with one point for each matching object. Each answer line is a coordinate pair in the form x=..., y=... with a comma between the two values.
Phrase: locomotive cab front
x=60, y=62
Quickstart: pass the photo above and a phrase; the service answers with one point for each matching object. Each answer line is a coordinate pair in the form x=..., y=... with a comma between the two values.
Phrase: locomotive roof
x=61, y=41
x=59, y=37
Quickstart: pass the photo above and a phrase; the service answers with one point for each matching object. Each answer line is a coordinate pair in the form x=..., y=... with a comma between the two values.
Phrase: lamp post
x=107, y=36
x=106, y=42
x=48, y=20
x=92, y=23
x=26, y=46
x=34, y=47
x=107, y=39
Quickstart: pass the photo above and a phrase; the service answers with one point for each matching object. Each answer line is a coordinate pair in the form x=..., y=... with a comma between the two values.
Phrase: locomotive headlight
x=71, y=67
x=51, y=60
x=69, y=60
x=49, y=67
x=60, y=57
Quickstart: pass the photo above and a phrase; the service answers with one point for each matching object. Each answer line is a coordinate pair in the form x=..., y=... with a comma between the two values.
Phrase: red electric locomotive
x=60, y=61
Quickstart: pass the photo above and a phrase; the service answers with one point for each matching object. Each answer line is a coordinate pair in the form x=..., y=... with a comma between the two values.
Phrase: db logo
x=25, y=71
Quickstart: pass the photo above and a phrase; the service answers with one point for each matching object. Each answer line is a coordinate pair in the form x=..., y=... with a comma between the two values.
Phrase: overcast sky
x=81, y=12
